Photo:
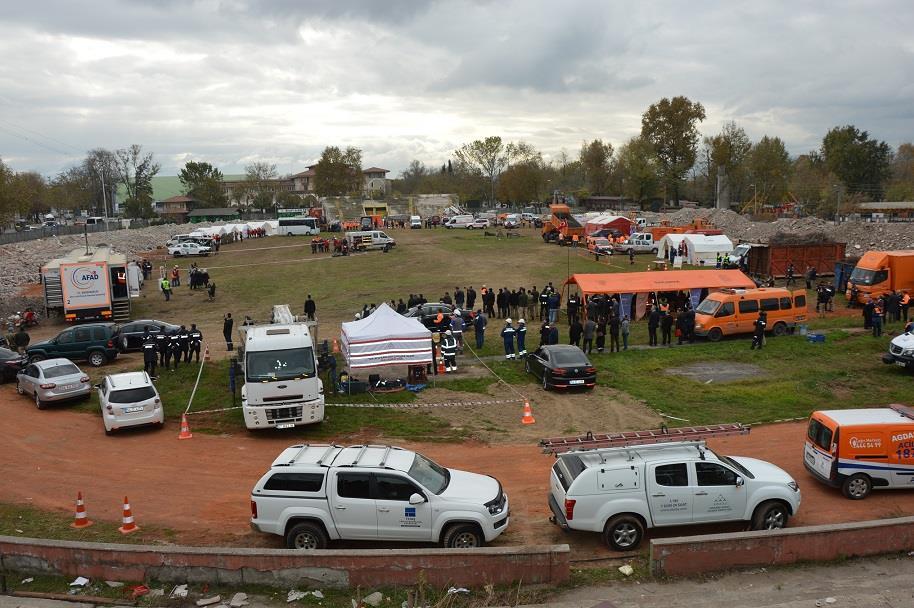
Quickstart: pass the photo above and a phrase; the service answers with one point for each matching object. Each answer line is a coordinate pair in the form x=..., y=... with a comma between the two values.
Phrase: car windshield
x=729, y=461
x=864, y=276
x=601, y=241
x=708, y=307
x=132, y=395
x=289, y=364
x=63, y=369
x=568, y=357
x=430, y=474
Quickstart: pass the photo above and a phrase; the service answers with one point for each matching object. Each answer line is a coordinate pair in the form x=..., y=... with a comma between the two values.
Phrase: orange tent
x=659, y=280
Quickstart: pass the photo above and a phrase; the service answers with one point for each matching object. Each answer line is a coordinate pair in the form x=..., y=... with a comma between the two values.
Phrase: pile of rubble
x=20, y=263
x=859, y=236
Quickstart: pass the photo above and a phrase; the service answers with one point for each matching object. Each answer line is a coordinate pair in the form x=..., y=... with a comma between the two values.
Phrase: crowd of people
x=168, y=349
x=198, y=279
x=891, y=307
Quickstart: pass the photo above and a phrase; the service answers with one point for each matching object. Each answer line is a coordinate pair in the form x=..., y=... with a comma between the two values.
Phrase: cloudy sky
x=233, y=81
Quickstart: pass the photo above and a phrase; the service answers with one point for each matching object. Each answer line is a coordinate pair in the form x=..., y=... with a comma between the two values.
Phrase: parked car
x=129, y=399
x=313, y=494
x=53, y=380
x=131, y=334
x=527, y=217
x=606, y=233
x=642, y=242
x=188, y=248
x=561, y=366
x=415, y=222
x=478, y=223
x=11, y=363
x=93, y=342
x=621, y=491
x=599, y=244
x=428, y=313
x=512, y=221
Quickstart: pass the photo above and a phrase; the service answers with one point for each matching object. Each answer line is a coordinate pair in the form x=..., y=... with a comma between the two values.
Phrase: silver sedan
x=53, y=380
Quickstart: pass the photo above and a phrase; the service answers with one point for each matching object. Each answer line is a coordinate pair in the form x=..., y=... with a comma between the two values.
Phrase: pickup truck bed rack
x=589, y=441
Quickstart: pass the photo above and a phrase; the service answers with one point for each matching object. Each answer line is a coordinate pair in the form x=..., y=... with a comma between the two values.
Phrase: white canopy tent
x=701, y=248
x=386, y=337
x=668, y=242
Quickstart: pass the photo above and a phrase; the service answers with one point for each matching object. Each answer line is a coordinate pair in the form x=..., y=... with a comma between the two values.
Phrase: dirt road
x=200, y=487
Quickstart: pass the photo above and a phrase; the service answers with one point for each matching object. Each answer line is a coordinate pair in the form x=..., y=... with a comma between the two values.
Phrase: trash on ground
x=626, y=570
x=238, y=600
x=26, y=581
x=374, y=599
x=295, y=595
x=209, y=601
x=80, y=581
x=179, y=591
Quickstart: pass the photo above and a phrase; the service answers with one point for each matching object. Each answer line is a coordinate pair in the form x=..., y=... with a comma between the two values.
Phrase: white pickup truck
x=621, y=491
x=316, y=493
x=639, y=242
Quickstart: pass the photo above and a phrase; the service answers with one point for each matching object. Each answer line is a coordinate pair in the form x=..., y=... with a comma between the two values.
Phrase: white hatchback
x=188, y=248
x=129, y=399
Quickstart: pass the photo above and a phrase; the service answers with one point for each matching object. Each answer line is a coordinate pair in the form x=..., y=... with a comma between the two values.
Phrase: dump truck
x=561, y=222
x=773, y=260
x=697, y=226
x=879, y=272
x=88, y=285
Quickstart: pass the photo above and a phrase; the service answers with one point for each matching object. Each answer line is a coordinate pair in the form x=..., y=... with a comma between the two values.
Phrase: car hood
x=905, y=341
x=764, y=471
x=42, y=344
x=471, y=487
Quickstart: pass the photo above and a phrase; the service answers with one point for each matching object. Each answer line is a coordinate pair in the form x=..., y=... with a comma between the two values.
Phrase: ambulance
x=861, y=449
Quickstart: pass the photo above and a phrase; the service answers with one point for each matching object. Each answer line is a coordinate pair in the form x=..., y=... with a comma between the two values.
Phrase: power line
x=37, y=143
x=40, y=134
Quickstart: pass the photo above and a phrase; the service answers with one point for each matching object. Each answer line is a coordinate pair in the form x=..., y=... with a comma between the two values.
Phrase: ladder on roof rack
x=589, y=441
x=904, y=410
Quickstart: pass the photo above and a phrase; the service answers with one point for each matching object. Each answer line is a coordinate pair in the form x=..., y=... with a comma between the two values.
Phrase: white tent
x=386, y=337
x=703, y=248
x=668, y=242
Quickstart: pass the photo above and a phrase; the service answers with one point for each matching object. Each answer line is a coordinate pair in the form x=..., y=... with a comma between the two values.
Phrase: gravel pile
x=20, y=263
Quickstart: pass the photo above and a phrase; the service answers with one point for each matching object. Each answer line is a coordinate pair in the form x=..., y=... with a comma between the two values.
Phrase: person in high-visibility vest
x=507, y=335
x=449, y=351
x=905, y=305
x=166, y=289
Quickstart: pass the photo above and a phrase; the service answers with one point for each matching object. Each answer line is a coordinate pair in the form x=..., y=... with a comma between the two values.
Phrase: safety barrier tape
x=402, y=406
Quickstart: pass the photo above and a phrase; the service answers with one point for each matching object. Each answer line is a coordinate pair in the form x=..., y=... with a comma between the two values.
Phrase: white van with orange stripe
x=858, y=450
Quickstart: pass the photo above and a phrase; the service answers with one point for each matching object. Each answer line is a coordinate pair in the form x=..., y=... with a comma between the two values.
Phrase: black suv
x=96, y=343
x=428, y=312
x=131, y=334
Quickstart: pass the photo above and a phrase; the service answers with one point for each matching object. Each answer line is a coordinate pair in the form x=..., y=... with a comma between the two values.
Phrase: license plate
x=136, y=408
x=287, y=425
x=68, y=387
x=901, y=363
x=575, y=382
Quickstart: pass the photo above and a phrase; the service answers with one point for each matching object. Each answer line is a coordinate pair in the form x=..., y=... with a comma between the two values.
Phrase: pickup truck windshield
x=430, y=474
x=290, y=364
x=863, y=276
x=708, y=307
x=729, y=461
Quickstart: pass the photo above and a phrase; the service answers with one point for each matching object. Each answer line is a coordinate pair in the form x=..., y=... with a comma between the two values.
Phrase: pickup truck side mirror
x=740, y=481
x=416, y=499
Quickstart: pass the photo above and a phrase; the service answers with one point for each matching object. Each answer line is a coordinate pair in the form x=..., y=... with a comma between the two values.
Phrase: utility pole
x=838, y=195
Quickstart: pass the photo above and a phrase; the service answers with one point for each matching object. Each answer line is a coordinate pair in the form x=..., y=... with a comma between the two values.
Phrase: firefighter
x=161, y=346
x=449, y=351
x=149, y=353
x=184, y=343
x=758, y=334
x=507, y=335
x=196, y=339
x=521, y=338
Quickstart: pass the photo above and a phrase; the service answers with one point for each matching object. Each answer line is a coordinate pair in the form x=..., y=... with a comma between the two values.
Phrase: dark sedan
x=11, y=363
x=561, y=366
x=428, y=314
x=132, y=333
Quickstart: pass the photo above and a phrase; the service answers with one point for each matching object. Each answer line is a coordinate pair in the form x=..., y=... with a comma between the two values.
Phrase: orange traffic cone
x=128, y=526
x=81, y=520
x=528, y=414
x=440, y=366
x=185, y=428
x=206, y=354
x=336, y=346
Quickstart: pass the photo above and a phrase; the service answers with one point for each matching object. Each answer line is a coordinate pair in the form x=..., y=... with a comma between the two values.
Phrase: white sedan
x=478, y=223
x=188, y=248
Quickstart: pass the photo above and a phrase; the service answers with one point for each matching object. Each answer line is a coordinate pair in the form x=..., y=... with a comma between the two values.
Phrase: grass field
x=793, y=378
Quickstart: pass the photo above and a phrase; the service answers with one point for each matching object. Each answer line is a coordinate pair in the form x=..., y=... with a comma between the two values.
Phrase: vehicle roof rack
x=905, y=410
x=364, y=448
x=592, y=441
x=304, y=448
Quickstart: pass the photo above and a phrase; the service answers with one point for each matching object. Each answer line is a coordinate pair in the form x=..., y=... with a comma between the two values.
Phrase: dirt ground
x=717, y=371
x=199, y=488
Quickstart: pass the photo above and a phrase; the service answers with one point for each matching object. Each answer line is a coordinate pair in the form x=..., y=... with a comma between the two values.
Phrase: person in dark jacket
x=590, y=328
x=195, y=341
x=653, y=322
x=471, y=297
x=614, y=327
x=149, y=353
x=575, y=332
x=544, y=333
x=507, y=336
x=521, y=338
x=758, y=332
x=666, y=329
x=553, y=334
x=868, y=313
x=544, y=304
x=227, y=324
x=601, y=334
x=572, y=305
x=479, y=327
x=310, y=308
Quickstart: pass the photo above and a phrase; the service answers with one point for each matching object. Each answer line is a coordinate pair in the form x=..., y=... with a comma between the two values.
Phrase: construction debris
x=238, y=600
x=373, y=599
x=209, y=601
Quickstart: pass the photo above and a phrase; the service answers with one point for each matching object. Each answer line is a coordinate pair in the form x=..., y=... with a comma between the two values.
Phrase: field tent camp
x=606, y=220
x=668, y=243
x=386, y=337
x=635, y=287
x=701, y=249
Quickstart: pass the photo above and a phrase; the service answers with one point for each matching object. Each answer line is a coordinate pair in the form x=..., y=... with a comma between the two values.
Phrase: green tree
x=862, y=164
x=101, y=166
x=259, y=185
x=728, y=150
x=901, y=186
x=810, y=182
x=670, y=126
x=203, y=182
x=338, y=172
x=637, y=165
x=411, y=176
x=8, y=198
x=289, y=200
x=769, y=168
x=135, y=171
x=73, y=188
x=596, y=159
x=489, y=157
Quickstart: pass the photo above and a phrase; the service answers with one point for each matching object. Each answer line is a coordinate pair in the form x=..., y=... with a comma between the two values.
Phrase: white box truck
x=281, y=384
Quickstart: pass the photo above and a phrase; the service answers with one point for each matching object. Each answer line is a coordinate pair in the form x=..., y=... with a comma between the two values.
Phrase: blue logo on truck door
x=409, y=512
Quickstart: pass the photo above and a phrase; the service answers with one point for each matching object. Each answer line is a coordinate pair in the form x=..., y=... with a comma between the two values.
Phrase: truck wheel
x=779, y=329
x=857, y=487
x=715, y=334
x=36, y=358
x=307, y=537
x=97, y=359
x=654, y=251
x=771, y=515
x=463, y=536
x=623, y=532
